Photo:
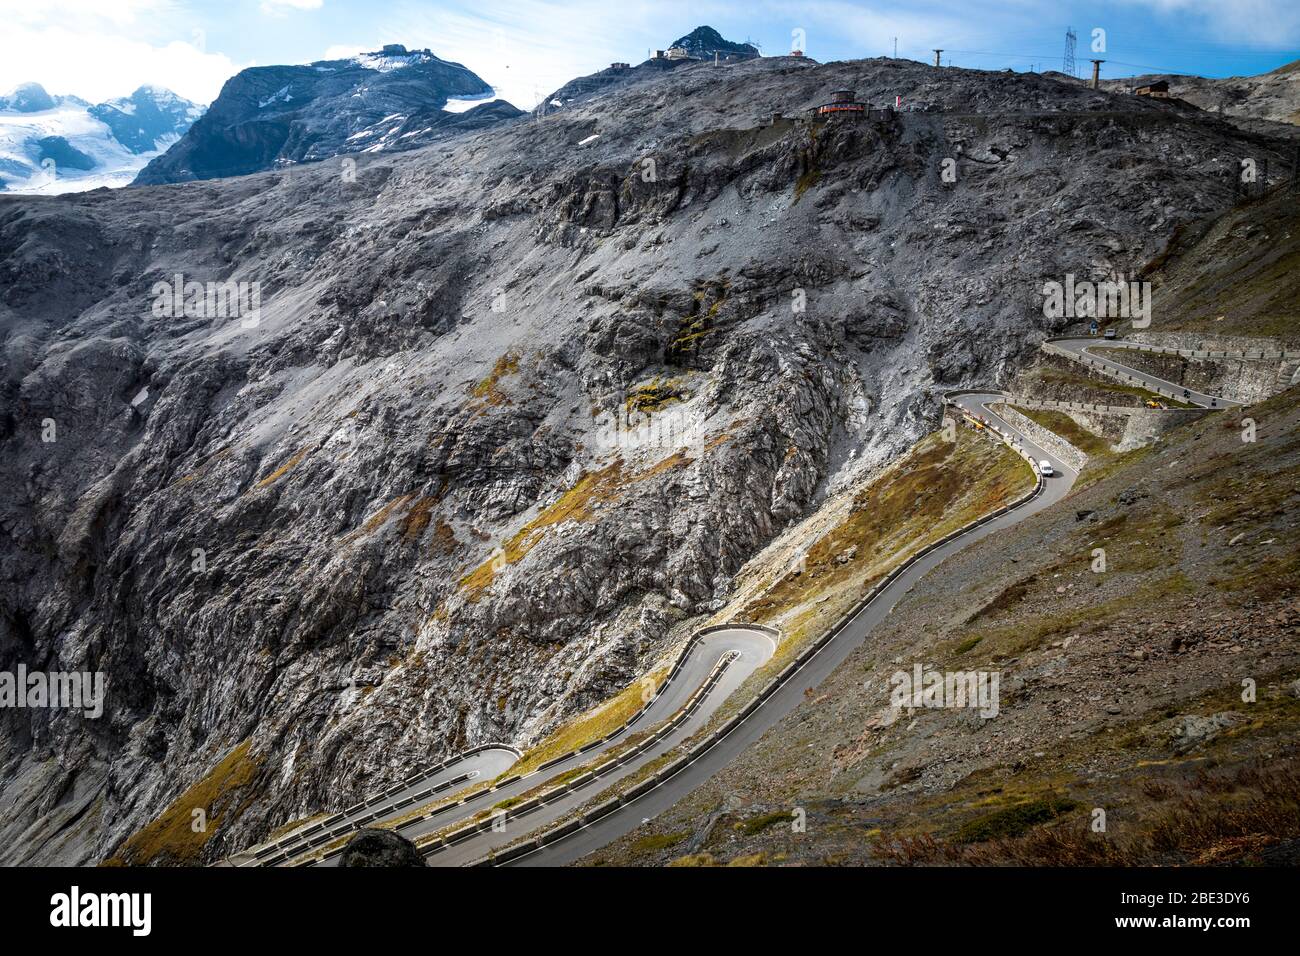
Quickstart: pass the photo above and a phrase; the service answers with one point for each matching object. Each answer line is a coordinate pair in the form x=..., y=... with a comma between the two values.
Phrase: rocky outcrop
x=1196, y=730
x=276, y=116
x=705, y=43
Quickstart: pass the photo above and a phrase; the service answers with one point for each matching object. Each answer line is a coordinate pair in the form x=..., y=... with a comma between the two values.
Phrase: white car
x=1045, y=468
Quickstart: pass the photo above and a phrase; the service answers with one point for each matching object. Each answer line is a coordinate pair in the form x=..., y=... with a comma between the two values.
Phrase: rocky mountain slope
x=53, y=144
x=274, y=116
x=1235, y=275
x=513, y=411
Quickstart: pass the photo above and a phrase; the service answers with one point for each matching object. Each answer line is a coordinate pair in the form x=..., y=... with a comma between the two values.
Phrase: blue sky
x=526, y=48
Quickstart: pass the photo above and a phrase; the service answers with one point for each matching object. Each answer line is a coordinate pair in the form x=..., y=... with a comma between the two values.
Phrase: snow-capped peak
x=28, y=98
x=394, y=56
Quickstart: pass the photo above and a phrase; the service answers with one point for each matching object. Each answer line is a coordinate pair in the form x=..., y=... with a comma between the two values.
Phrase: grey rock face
x=1193, y=730
x=380, y=848
x=512, y=414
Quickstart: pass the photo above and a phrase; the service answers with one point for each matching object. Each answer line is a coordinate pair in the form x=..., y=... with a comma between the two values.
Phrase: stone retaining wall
x=1097, y=392
x=1124, y=428
x=1202, y=342
x=1244, y=381
x=1044, y=438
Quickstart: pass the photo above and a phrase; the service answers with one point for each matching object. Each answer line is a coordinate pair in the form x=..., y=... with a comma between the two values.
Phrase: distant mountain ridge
x=704, y=42
x=275, y=116
x=32, y=98
x=53, y=144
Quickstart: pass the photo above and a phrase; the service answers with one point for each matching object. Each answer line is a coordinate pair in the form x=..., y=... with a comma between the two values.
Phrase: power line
x=1035, y=56
x=1168, y=47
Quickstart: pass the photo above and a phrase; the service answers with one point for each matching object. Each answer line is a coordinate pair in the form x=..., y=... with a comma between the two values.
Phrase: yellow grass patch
x=171, y=837
x=594, y=724
x=285, y=468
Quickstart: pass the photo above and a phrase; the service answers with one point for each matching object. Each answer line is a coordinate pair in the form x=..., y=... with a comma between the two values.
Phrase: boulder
x=372, y=847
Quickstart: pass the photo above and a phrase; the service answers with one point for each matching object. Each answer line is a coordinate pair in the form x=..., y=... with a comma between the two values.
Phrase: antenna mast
x=1067, y=64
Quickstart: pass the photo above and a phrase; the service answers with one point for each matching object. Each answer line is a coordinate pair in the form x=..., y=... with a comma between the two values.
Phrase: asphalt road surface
x=464, y=772
x=746, y=649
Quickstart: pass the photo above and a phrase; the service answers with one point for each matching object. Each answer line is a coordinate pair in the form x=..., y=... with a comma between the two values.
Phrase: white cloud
x=97, y=66
x=341, y=51
x=280, y=8
x=116, y=12
x=1269, y=24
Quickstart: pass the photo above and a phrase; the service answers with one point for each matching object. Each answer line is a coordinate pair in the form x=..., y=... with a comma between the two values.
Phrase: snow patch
x=281, y=94
x=386, y=63
x=462, y=104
